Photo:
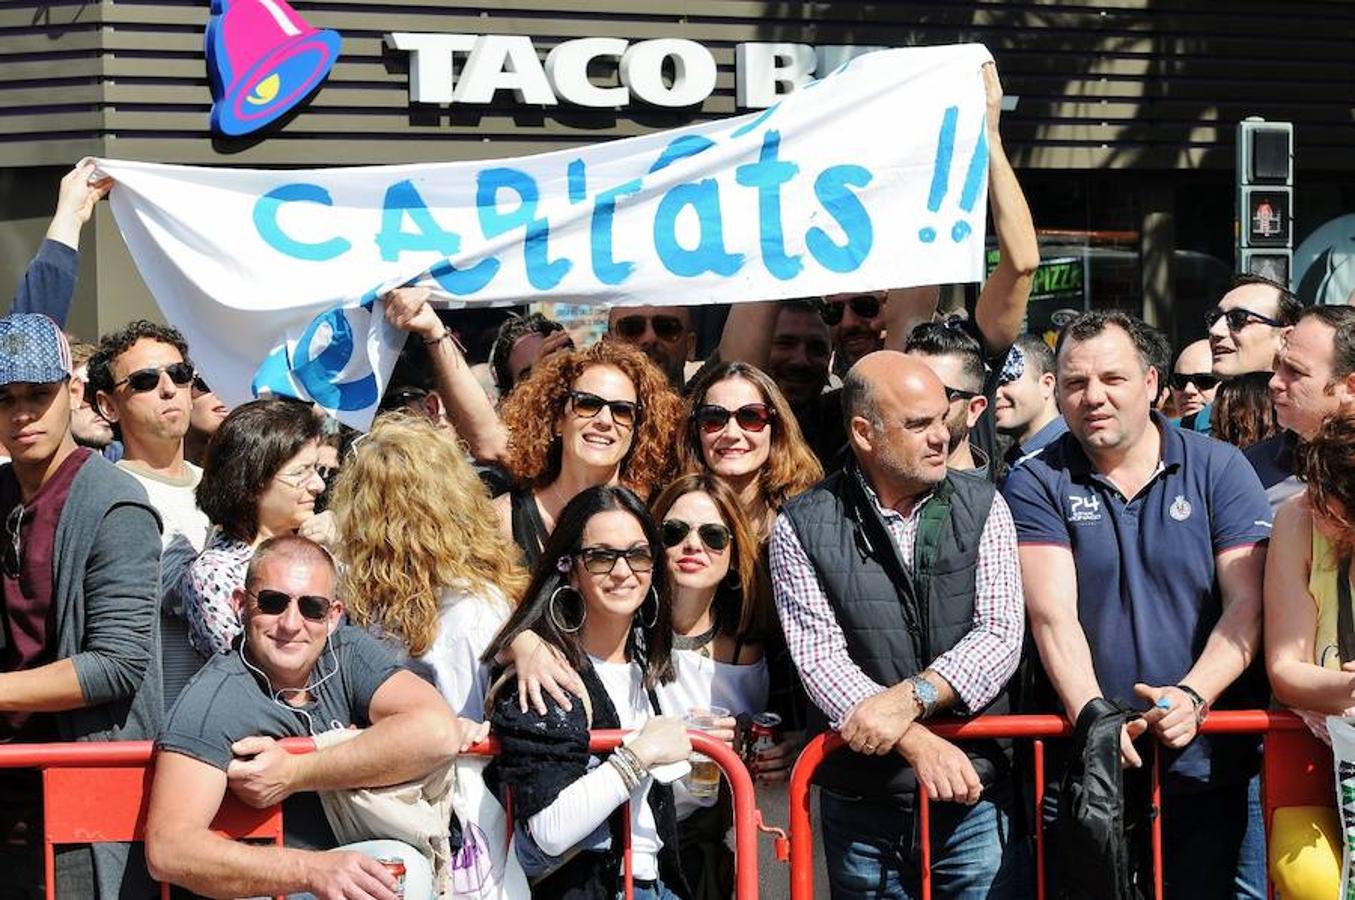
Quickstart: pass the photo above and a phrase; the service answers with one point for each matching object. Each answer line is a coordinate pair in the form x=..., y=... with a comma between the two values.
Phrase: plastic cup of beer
x=704, y=780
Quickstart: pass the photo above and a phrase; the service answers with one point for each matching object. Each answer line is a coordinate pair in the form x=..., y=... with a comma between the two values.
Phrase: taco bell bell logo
x=263, y=59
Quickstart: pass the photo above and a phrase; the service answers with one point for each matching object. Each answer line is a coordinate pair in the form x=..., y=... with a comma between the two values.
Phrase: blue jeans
x=1213, y=841
x=653, y=891
x=873, y=850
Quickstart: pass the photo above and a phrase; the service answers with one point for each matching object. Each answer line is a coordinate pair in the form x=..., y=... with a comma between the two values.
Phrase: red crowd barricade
x=1296, y=770
x=96, y=792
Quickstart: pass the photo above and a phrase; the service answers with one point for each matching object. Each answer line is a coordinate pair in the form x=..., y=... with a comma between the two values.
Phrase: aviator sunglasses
x=667, y=328
x=275, y=603
x=713, y=534
x=864, y=306
x=587, y=406
x=710, y=417
x=143, y=380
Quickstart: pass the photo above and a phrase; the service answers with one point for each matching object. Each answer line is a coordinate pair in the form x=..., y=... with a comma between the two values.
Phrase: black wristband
x=1201, y=707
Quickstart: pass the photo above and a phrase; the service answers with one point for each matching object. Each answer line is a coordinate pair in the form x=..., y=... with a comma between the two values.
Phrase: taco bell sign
x=509, y=62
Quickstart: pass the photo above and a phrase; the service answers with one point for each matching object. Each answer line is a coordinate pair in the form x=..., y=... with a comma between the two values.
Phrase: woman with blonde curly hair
x=740, y=427
x=424, y=563
x=601, y=415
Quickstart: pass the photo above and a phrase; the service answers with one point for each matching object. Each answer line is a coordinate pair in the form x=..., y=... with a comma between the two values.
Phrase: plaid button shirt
x=978, y=667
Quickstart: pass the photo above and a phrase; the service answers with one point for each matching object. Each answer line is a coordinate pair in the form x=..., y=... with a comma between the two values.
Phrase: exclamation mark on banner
x=973, y=182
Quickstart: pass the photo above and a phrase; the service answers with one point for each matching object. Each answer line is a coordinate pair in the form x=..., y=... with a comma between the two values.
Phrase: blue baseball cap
x=33, y=350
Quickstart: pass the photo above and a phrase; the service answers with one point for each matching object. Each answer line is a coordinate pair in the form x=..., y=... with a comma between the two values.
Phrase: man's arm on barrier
x=1001, y=309
x=413, y=731
x=943, y=769
x=182, y=849
x=1050, y=580
x=1230, y=648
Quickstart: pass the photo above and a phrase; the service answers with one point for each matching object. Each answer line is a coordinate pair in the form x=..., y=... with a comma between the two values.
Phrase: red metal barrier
x=1292, y=774
x=122, y=817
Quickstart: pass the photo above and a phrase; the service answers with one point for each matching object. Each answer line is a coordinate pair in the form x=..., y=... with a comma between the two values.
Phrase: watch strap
x=1201, y=707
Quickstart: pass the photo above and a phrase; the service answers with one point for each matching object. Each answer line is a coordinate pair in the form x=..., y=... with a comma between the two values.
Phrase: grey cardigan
x=106, y=594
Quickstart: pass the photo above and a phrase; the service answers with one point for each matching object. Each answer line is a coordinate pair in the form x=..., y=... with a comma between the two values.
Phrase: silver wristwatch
x=926, y=694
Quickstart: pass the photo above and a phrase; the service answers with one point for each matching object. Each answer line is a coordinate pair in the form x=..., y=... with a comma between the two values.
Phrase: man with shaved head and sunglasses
x=294, y=671
x=142, y=383
x=79, y=566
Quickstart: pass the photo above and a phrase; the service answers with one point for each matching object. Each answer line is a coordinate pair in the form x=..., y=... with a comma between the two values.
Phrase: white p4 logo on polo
x=1084, y=509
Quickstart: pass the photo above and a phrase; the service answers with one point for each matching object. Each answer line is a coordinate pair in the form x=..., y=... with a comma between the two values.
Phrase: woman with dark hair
x=603, y=415
x=1310, y=649
x=740, y=428
x=1243, y=412
x=260, y=478
x=598, y=598
x=714, y=565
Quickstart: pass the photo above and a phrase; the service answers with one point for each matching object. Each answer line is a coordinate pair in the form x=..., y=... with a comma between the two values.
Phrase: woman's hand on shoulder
x=541, y=667
x=663, y=739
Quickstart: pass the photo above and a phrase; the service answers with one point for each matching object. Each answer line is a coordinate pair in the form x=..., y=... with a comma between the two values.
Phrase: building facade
x=1122, y=130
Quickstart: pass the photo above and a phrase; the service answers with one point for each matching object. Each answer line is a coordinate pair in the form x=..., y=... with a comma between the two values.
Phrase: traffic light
x=1265, y=198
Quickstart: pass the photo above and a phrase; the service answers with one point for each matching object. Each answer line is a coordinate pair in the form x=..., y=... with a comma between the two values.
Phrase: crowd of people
x=859, y=513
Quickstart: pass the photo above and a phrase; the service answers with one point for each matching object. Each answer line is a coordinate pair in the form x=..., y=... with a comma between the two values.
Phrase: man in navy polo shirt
x=1143, y=550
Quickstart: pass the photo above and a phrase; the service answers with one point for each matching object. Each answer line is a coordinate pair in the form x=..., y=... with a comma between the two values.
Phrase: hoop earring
x=555, y=616
x=733, y=583
x=654, y=619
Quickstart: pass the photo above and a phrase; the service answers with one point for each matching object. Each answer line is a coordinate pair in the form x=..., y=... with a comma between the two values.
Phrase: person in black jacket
x=598, y=598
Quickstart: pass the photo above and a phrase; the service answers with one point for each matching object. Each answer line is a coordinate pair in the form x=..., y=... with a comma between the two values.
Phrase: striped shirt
x=978, y=667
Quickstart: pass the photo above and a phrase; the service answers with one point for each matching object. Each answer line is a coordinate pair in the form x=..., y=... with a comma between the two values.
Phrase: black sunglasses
x=601, y=560
x=1237, y=318
x=711, y=417
x=954, y=393
x=275, y=603
x=1203, y=380
x=13, y=554
x=200, y=385
x=865, y=306
x=714, y=535
x=587, y=406
x=142, y=380
x=667, y=328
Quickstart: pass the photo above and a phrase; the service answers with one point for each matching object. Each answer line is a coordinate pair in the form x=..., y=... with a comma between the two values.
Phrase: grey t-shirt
x=225, y=702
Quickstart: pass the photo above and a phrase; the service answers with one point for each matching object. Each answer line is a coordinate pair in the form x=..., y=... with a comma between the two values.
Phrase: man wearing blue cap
x=79, y=586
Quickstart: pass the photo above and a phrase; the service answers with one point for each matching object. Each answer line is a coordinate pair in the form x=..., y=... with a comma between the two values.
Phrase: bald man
x=1193, y=382
x=899, y=591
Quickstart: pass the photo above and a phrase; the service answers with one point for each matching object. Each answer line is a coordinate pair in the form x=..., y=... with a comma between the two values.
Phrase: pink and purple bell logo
x=263, y=59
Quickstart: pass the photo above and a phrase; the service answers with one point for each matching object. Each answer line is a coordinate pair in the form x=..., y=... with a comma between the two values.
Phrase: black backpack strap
x=1345, y=616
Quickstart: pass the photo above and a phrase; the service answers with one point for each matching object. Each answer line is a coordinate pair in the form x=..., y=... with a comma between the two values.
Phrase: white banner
x=873, y=177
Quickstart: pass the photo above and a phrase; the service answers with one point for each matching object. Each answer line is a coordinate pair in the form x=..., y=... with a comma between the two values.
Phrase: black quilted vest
x=895, y=624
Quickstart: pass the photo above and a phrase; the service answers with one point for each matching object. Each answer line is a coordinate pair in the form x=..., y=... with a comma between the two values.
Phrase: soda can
x=396, y=867
x=764, y=732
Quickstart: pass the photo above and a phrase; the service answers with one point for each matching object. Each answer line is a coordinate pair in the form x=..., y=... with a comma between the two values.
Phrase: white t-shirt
x=587, y=803
x=174, y=500
x=703, y=682
x=467, y=623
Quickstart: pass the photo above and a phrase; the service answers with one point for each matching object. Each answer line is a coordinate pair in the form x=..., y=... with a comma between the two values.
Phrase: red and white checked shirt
x=978, y=667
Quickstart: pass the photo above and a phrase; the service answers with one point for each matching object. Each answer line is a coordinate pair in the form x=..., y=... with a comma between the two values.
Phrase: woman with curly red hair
x=601, y=415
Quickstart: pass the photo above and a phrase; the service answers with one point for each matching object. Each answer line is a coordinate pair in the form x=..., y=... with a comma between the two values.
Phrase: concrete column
x=1157, y=244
